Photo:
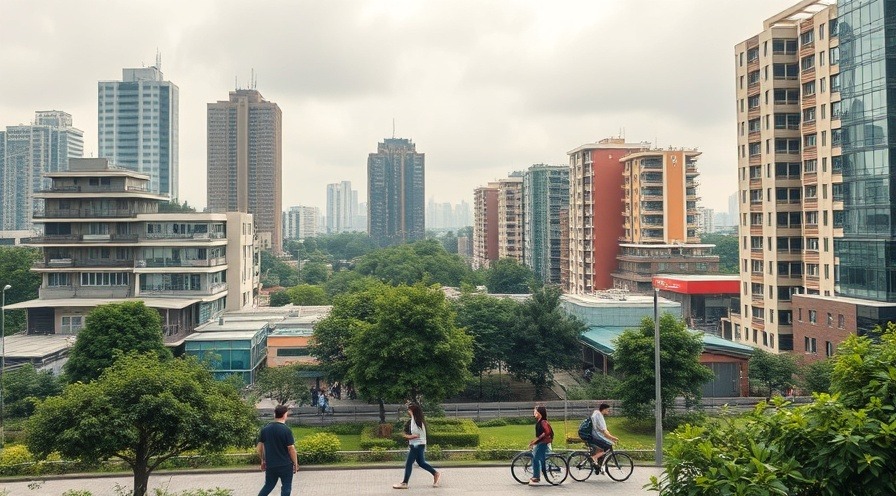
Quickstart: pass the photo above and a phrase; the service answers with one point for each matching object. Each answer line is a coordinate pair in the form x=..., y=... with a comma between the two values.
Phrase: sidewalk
x=492, y=481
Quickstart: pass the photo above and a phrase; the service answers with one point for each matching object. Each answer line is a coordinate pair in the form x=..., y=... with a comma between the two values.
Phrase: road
x=493, y=481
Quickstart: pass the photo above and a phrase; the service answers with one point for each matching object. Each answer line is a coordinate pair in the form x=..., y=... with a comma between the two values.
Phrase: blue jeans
x=415, y=454
x=538, y=454
x=271, y=474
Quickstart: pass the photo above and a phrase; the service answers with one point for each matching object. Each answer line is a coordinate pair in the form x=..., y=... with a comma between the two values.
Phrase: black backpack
x=585, y=429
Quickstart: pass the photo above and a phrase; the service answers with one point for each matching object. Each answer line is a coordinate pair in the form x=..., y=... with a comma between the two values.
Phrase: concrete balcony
x=172, y=291
x=167, y=262
x=59, y=292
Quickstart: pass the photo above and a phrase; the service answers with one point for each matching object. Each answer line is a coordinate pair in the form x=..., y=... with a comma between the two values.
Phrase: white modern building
x=342, y=207
x=137, y=125
x=301, y=222
x=105, y=242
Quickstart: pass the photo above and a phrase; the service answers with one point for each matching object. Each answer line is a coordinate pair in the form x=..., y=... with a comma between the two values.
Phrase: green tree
x=110, y=330
x=773, y=372
x=143, y=411
x=544, y=338
x=15, y=270
x=174, y=207
x=840, y=444
x=490, y=322
x=24, y=386
x=411, y=348
x=332, y=335
x=280, y=298
x=314, y=272
x=283, y=384
x=727, y=250
x=816, y=376
x=424, y=261
x=507, y=276
x=306, y=294
x=276, y=272
x=681, y=373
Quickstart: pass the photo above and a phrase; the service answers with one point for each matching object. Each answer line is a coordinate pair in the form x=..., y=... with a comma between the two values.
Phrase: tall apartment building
x=792, y=160
x=545, y=196
x=26, y=154
x=342, y=207
x=301, y=222
x=659, y=213
x=510, y=216
x=137, y=125
x=104, y=242
x=396, y=193
x=485, y=226
x=595, y=220
x=245, y=142
x=706, y=221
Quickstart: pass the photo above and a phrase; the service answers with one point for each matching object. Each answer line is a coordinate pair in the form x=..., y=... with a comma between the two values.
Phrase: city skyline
x=463, y=100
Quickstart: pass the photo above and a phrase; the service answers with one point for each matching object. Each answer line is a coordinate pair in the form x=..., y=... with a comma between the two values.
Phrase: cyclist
x=601, y=439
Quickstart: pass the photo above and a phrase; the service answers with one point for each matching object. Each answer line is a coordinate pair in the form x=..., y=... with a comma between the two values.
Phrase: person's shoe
x=400, y=485
x=436, y=478
x=533, y=480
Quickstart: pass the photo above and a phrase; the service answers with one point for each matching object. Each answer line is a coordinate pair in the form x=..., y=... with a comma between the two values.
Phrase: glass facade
x=228, y=357
x=867, y=251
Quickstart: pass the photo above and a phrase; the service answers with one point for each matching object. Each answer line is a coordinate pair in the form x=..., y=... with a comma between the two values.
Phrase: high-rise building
x=485, y=226
x=706, y=221
x=245, y=161
x=794, y=161
x=659, y=212
x=137, y=125
x=545, y=195
x=510, y=216
x=595, y=220
x=104, y=241
x=342, y=207
x=396, y=193
x=26, y=154
x=301, y=222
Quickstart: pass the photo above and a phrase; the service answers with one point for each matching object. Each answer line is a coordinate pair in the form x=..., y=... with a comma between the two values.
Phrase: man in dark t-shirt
x=277, y=451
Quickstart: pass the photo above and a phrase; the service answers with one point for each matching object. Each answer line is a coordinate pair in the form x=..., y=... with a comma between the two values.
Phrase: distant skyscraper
x=545, y=195
x=485, y=225
x=342, y=206
x=245, y=161
x=28, y=152
x=301, y=222
x=138, y=126
x=395, y=192
x=733, y=212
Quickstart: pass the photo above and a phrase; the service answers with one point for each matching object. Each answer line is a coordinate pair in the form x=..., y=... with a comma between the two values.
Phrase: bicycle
x=617, y=466
x=555, y=469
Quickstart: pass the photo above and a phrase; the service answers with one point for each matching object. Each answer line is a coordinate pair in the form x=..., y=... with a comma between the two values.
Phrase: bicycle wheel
x=555, y=469
x=521, y=467
x=580, y=467
x=618, y=466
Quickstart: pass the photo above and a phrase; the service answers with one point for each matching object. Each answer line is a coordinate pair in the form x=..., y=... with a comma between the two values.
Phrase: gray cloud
x=482, y=87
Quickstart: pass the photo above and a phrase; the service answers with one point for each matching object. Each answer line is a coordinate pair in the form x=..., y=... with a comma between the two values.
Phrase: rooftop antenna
x=393, y=128
x=252, y=79
x=158, y=59
x=236, y=84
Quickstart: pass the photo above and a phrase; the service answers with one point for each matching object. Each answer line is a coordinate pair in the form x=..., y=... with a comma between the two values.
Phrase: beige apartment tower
x=245, y=162
x=789, y=169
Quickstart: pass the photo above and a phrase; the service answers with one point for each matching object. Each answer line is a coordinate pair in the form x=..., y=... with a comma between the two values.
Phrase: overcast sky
x=482, y=87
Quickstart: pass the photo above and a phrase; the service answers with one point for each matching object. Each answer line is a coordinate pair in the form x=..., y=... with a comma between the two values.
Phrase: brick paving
x=493, y=481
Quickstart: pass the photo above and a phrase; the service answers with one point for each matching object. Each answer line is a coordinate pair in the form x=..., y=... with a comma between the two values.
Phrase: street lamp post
x=658, y=451
x=2, y=362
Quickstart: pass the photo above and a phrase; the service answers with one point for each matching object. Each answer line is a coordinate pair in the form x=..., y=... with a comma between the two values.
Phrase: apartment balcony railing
x=72, y=291
x=199, y=236
x=170, y=290
x=78, y=238
x=95, y=189
x=168, y=262
x=83, y=213
x=87, y=262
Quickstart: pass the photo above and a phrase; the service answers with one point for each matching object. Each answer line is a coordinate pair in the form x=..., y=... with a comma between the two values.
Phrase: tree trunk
x=141, y=479
x=382, y=411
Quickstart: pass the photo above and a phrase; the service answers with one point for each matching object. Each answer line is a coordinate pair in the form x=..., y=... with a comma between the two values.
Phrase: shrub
x=498, y=422
x=492, y=449
x=377, y=454
x=318, y=448
x=15, y=454
x=369, y=440
x=77, y=492
x=451, y=432
x=434, y=452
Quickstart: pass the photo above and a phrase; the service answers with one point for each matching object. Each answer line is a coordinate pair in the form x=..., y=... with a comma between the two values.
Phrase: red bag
x=548, y=432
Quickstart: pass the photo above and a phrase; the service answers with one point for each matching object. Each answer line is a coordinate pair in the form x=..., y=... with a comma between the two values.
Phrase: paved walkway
x=493, y=481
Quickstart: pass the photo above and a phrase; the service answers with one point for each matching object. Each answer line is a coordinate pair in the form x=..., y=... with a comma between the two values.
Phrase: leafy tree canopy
x=774, y=372
x=681, y=373
x=491, y=322
x=284, y=384
x=507, y=276
x=314, y=272
x=143, y=411
x=174, y=207
x=111, y=330
x=727, y=250
x=24, y=386
x=15, y=270
x=306, y=294
x=544, y=338
x=424, y=261
x=276, y=272
x=280, y=298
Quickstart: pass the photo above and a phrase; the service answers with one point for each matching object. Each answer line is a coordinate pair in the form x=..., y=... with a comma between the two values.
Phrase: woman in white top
x=417, y=441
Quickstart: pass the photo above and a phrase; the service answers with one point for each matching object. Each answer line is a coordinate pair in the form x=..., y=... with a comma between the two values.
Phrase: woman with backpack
x=544, y=435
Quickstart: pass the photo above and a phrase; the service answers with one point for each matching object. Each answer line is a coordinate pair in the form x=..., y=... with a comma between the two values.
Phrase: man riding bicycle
x=601, y=439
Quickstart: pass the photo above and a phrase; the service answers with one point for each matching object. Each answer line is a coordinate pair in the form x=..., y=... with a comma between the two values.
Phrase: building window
x=783, y=46
x=807, y=38
x=812, y=313
x=807, y=62
x=71, y=324
x=841, y=321
x=830, y=320
x=828, y=349
x=809, y=344
x=809, y=114
x=785, y=71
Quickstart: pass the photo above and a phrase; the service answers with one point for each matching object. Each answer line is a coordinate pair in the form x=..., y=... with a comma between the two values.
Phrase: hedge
x=445, y=432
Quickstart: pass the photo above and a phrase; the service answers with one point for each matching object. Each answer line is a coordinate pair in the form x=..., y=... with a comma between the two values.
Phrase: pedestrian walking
x=277, y=452
x=544, y=435
x=416, y=437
